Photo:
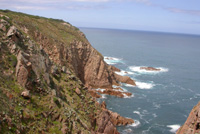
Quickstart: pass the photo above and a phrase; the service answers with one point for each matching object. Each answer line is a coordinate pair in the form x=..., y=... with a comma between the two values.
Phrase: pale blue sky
x=179, y=16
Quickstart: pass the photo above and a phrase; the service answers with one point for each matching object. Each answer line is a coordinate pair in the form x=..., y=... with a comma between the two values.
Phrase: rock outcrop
x=192, y=124
x=116, y=119
x=149, y=69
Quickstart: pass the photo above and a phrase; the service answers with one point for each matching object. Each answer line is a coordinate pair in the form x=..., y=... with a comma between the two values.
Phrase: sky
x=176, y=16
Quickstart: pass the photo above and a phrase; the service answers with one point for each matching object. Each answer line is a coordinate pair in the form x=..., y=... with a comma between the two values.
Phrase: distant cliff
x=46, y=68
x=192, y=124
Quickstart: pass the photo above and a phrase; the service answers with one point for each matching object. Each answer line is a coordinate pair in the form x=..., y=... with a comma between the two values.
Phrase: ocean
x=161, y=101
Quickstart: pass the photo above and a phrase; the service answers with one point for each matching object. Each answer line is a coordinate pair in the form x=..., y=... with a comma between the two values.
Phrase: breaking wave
x=174, y=128
x=142, y=71
x=135, y=124
x=125, y=96
x=123, y=73
x=112, y=60
x=143, y=85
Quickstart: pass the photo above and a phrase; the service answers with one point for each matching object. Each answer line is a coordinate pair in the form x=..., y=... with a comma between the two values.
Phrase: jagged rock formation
x=192, y=124
x=45, y=66
x=87, y=63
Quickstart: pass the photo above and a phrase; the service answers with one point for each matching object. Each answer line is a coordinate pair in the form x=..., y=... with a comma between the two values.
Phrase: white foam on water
x=100, y=89
x=123, y=73
x=135, y=124
x=112, y=60
x=143, y=71
x=155, y=115
x=137, y=112
x=128, y=85
x=103, y=96
x=143, y=85
x=174, y=128
x=125, y=96
x=124, y=89
x=156, y=105
x=114, y=86
x=128, y=130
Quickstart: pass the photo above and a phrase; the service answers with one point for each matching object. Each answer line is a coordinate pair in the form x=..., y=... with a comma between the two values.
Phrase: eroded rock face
x=192, y=124
x=86, y=62
x=149, y=69
x=23, y=69
x=105, y=126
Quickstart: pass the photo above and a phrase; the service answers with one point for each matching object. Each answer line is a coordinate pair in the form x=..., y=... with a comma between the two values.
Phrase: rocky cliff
x=192, y=124
x=46, y=66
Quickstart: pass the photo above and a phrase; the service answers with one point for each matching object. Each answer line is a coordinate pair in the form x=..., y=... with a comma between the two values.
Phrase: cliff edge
x=192, y=124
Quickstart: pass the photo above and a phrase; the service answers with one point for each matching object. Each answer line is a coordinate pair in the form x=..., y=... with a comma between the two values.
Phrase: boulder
x=64, y=69
x=78, y=91
x=14, y=34
x=26, y=94
x=12, y=31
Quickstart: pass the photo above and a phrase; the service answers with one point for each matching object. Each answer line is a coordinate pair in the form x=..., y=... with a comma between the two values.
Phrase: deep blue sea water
x=161, y=102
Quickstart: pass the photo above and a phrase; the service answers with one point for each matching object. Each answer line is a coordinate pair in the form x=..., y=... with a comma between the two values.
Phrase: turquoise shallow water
x=162, y=101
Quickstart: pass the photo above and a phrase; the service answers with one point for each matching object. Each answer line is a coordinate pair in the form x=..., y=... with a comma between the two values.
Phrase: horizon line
x=163, y=32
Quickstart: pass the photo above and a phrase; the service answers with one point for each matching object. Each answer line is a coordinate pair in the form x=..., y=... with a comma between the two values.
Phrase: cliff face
x=78, y=54
x=192, y=124
x=45, y=65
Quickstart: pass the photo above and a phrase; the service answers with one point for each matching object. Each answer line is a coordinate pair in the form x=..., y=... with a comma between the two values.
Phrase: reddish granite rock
x=93, y=93
x=115, y=93
x=23, y=69
x=116, y=119
x=105, y=126
x=149, y=69
x=125, y=79
x=114, y=68
x=192, y=124
x=78, y=91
